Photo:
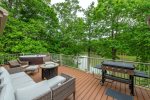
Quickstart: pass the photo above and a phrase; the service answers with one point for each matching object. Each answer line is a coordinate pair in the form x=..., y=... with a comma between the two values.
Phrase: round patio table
x=49, y=70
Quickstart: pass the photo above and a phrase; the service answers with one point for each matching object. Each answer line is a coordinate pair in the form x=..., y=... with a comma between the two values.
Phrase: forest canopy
x=112, y=27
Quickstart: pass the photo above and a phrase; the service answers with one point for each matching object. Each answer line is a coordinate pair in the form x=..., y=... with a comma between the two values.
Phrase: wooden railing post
x=77, y=58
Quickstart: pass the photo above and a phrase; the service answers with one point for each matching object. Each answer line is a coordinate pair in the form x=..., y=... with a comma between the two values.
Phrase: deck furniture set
x=17, y=85
x=31, y=63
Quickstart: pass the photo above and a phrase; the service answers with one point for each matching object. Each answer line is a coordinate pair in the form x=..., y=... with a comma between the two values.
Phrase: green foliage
x=71, y=30
x=110, y=28
x=30, y=26
x=123, y=22
x=33, y=46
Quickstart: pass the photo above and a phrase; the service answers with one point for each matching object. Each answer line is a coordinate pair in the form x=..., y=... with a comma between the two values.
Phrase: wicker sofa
x=17, y=85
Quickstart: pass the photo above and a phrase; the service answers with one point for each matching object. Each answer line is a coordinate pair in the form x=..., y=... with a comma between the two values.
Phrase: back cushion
x=7, y=91
x=5, y=73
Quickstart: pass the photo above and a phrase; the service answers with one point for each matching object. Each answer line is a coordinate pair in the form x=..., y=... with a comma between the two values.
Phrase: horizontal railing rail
x=86, y=64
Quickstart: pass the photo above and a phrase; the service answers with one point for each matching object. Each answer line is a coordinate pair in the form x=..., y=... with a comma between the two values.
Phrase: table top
x=118, y=64
x=49, y=66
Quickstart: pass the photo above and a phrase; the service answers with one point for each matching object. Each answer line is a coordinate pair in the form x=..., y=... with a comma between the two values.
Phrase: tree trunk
x=114, y=51
x=89, y=55
x=89, y=47
x=10, y=3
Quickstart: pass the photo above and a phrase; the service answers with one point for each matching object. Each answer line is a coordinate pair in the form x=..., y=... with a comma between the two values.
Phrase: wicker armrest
x=15, y=70
x=61, y=92
x=66, y=89
x=66, y=76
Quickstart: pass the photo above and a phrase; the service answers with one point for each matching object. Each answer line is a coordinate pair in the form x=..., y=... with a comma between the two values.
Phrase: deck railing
x=88, y=64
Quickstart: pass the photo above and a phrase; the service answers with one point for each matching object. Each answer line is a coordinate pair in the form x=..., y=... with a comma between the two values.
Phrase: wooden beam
x=3, y=19
x=1, y=16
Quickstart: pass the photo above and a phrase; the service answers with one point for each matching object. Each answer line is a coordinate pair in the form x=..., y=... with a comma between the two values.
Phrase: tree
x=34, y=19
x=92, y=28
x=140, y=43
x=70, y=26
x=115, y=17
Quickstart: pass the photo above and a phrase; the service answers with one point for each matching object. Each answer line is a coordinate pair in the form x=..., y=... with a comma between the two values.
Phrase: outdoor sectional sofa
x=17, y=85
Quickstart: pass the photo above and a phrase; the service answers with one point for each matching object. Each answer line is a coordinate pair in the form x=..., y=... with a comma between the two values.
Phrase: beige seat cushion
x=33, y=91
x=21, y=81
x=26, y=84
x=32, y=68
x=55, y=81
x=18, y=75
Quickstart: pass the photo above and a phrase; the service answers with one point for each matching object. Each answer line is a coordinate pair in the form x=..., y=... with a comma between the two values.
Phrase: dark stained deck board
x=127, y=89
x=81, y=92
x=139, y=94
x=148, y=92
x=89, y=88
x=104, y=96
x=88, y=95
x=145, y=95
x=123, y=88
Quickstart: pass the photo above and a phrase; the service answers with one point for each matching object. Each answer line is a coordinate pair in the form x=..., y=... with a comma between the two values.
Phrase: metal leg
x=132, y=84
x=74, y=95
x=103, y=77
x=130, y=81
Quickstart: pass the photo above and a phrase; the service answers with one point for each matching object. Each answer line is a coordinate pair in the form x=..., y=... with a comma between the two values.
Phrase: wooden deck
x=88, y=87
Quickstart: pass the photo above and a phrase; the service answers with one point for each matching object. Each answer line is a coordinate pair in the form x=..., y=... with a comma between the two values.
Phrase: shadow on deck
x=89, y=88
